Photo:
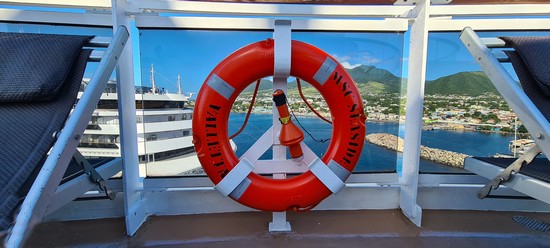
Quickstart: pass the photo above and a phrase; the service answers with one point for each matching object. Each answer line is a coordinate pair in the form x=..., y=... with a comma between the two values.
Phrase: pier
x=439, y=156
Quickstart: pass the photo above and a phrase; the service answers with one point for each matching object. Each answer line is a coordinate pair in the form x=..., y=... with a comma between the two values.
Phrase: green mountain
x=462, y=83
x=376, y=80
x=367, y=78
x=264, y=86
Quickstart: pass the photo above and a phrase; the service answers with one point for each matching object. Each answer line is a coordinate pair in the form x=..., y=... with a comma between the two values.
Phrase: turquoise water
x=375, y=158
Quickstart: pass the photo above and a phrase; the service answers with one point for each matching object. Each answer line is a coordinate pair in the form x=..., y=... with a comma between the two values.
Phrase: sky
x=194, y=53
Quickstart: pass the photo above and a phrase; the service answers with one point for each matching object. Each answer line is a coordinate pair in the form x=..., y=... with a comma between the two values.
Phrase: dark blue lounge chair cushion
x=33, y=67
x=26, y=132
x=530, y=86
x=39, y=82
x=534, y=51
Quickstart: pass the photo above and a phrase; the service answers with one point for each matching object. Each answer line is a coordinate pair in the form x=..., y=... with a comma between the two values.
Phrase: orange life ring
x=255, y=61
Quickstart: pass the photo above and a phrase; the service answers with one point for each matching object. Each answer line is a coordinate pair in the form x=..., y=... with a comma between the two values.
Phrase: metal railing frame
x=409, y=191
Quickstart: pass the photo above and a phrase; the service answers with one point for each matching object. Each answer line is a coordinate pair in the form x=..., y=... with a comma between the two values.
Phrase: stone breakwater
x=439, y=156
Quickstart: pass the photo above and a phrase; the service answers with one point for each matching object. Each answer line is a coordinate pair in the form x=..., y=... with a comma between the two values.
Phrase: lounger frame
x=535, y=122
x=44, y=188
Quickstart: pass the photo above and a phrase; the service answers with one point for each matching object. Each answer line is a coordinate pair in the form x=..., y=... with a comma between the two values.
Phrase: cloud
x=366, y=58
x=362, y=59
x=344, y=60
x=341, y=59
x=347, y=65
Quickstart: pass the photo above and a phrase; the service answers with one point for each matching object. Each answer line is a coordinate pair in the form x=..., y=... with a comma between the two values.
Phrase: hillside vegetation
x=380, y=81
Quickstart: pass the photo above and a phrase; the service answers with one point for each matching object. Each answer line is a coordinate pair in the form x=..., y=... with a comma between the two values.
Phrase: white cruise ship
x=163, y=127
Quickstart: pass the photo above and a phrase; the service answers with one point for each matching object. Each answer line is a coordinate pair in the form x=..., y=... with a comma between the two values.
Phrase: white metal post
x=282, y=36
x=135, y=213
x=414, y=109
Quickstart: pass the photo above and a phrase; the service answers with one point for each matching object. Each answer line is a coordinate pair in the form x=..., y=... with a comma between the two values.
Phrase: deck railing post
x=414, y=110
x=134, y=208
x=282, y=37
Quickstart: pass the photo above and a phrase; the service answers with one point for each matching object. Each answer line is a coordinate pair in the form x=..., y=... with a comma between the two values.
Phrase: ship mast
x=179, y=85
x=154, y=86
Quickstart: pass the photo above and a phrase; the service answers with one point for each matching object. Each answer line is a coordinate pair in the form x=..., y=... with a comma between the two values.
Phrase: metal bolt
x=77, y=136
x=55, y=134
x=540, y=136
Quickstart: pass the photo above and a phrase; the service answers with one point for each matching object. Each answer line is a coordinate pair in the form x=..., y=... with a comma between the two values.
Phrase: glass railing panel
x=173, y=69
x=463, y=111
x=372, y=59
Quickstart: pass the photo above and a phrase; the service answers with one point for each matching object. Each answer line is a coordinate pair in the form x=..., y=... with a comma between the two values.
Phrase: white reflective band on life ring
x=325, y=71
x=331, y=180
x=241, y=188
x=234, y=178
x=221, y=86
x=340, y=171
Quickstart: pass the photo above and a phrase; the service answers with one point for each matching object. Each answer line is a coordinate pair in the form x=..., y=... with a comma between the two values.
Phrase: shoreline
x=315, y=116
x=398, y=121
x=440, y=156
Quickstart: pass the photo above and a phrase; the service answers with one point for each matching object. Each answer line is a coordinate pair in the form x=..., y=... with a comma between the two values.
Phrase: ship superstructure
x=163, y=127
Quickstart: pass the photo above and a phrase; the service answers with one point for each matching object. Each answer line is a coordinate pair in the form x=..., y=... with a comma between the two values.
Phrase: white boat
x=519, y=146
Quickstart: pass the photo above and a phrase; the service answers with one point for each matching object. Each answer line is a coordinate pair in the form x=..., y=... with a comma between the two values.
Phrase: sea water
x=374, y=158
